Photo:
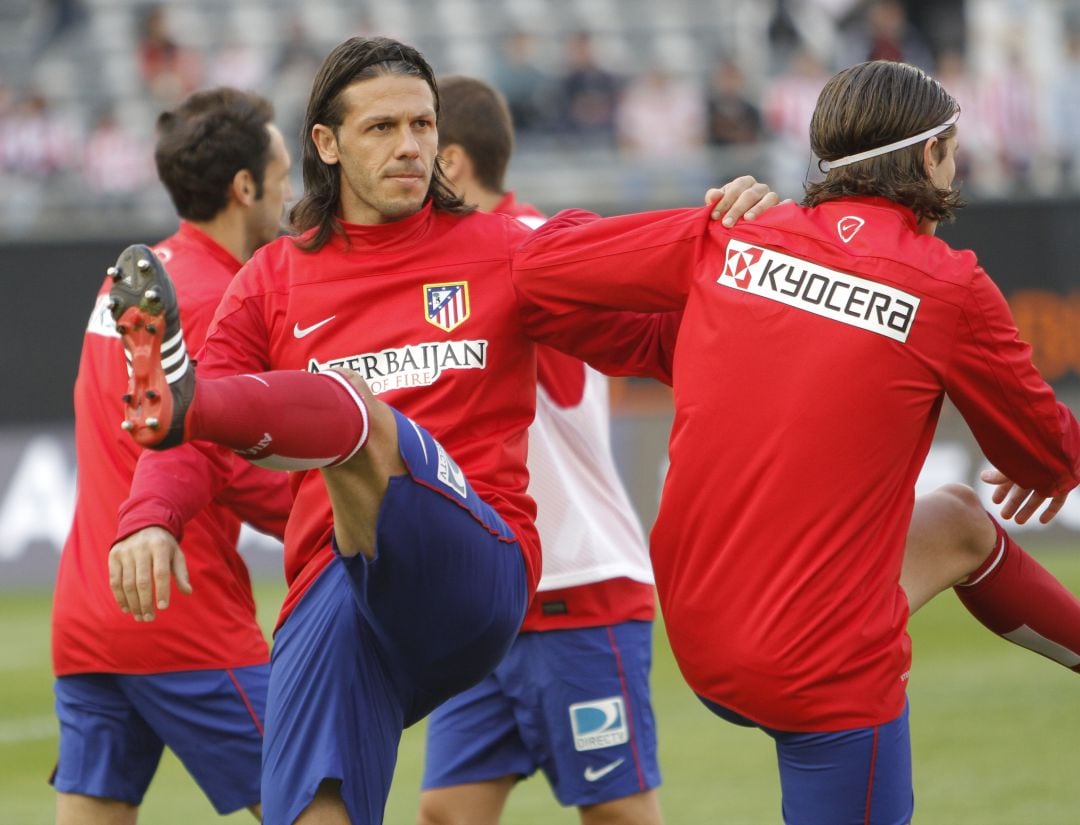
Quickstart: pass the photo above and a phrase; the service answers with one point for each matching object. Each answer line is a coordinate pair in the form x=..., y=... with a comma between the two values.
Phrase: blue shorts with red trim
x=113, y=728
x=373, y=646
x=572, y=703
x=860, y=776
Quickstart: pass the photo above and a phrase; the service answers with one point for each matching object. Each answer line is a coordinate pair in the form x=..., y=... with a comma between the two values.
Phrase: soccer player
x=817, y=345
x=407, y=582
x=196, y=681
x=588, y=726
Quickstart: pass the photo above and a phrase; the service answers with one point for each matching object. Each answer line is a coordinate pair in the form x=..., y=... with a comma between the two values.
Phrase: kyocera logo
x=811, y=287
x=740, y=257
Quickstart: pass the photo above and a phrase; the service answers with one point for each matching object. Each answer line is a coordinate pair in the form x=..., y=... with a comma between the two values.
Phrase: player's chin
x=403, y=205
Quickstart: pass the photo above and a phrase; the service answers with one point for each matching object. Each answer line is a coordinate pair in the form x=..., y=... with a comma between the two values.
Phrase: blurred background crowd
x=619, y=104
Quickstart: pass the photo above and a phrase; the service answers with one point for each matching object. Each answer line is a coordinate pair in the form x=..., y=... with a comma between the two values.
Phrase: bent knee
x=960, y=512
x=356, y=380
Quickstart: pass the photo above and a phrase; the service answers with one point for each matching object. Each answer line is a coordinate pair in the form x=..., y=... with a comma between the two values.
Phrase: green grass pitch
x=993, y=734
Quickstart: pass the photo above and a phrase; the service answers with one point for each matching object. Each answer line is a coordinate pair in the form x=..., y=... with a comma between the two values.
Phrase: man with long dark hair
x=409, y=572
x=816, y=348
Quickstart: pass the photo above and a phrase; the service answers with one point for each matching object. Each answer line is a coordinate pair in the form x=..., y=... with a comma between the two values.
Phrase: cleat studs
x=114, y=273
x=151, y=294
x=143, y=264
x=152, y=423
x=127, y=426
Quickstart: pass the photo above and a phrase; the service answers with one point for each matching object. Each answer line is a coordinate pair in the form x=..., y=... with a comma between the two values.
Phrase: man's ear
x=325, y=143
x=454, y=162
x=243, y=187
x=929, y=156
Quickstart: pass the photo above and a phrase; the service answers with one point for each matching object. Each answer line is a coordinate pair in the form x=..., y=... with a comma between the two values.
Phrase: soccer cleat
x=161, y=377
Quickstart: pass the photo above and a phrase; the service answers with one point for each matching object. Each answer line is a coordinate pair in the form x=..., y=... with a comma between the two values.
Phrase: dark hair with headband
x=870, y=106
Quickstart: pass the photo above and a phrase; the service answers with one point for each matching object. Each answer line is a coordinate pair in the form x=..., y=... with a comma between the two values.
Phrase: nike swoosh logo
x=592, y=775
x=300, y=332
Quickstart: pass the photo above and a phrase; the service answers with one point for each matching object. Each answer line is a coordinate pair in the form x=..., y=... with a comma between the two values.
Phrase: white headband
x=826, y=165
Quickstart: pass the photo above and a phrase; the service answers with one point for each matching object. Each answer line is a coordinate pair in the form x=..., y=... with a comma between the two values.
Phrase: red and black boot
x=161, y=380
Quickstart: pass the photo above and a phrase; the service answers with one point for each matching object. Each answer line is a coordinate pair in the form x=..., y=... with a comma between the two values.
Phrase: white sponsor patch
x=600, y=723
x=414, y=365
x=101, y=321
x=449, y=472
x=805, y=285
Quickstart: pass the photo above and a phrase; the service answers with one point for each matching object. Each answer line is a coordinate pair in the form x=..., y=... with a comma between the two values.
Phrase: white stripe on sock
x=990, y=569
x=1026, y=637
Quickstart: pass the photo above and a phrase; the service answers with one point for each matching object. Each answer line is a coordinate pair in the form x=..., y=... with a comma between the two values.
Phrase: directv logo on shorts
x=838, y=296
x=449, y=472
x=599, y=724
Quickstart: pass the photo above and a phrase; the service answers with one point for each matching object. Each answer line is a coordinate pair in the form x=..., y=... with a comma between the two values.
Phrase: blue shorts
x=372, y=647
x=850, y=777
x=113, y=728
x=572, y=703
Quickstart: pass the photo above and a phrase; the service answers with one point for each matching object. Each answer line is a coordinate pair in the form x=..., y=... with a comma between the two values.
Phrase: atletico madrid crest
x=446, y=305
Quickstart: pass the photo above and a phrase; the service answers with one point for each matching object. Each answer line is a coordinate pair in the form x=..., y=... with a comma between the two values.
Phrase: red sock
x=285, y=420
x=1019, y=599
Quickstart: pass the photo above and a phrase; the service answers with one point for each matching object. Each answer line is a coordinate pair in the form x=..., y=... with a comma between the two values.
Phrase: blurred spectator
x=586, y=94
x=731, y=117
x=292, y=70
x=169, y=71
x=36, y=142
x=36, y=146
x=883, y=32
x=1066, y=111
x=115, y=163
x=1010, y=110
x=524, y=84
x=659, y=117
x=239, y=65
x=788, y=105
x=62, y=17
x=953, y=74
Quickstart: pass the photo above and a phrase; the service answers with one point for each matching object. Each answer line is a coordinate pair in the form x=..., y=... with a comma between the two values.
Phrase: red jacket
x=214, y=627
x=467, y=372
x=815, y=351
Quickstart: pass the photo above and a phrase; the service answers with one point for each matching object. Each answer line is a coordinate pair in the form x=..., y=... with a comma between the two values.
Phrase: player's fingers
x=1030, y=508
x=116, y=581
x=993, y=475
x=768, y=201
x=162, y=573
x=131, y=590
x=180, y=573
x=1053, y=508
x=730, y=193
x=144, y=585
x=1014, y=501
x=712, y=196
x=747, y=199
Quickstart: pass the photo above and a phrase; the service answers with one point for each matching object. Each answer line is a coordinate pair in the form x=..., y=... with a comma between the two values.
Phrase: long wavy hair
x=873, y=104
x=358, y=58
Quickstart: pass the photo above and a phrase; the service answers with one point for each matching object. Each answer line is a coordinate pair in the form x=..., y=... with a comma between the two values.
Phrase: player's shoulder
x=873, y=227
x=271, y=261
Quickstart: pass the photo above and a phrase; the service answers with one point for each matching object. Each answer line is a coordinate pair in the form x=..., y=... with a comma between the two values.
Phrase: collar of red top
x=901, y=211
x=391, y=234
x=192, y=233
